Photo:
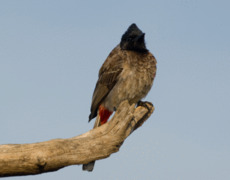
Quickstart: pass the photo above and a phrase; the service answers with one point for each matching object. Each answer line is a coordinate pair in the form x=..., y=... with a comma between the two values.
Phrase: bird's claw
x=145, y=104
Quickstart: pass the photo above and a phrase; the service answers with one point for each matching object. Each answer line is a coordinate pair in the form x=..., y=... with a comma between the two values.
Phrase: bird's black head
x=133, y=39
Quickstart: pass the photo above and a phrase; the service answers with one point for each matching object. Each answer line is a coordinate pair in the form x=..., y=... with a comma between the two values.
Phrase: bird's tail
x=102, y=118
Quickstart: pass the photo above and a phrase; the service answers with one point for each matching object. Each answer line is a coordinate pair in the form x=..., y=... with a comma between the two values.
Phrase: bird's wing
x=108, y=76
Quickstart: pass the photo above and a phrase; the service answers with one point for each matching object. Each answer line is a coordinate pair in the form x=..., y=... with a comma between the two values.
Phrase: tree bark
x=99, y=143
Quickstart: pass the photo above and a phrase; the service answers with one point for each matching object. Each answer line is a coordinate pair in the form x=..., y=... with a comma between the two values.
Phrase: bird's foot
x=145, y=104
x=149, y=106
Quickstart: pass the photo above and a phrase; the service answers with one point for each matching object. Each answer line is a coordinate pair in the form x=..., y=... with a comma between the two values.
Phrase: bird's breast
x=134, y=82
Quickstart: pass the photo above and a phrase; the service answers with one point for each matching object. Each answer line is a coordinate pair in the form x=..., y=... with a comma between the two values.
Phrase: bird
x=127, y=74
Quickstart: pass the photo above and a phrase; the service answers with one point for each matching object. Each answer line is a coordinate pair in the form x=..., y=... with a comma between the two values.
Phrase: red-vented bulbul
x=127, y=74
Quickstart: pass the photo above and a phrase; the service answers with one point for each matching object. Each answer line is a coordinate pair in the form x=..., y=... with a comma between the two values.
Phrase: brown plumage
x=127, y=74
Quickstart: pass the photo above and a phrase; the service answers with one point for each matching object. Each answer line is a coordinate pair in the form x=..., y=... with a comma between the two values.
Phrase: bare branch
x=99, y=143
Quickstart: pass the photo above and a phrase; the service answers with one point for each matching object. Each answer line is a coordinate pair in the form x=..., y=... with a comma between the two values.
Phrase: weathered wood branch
x=99, y=143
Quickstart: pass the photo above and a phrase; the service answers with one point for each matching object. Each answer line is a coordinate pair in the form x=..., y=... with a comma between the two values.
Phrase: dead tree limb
x=99, y=143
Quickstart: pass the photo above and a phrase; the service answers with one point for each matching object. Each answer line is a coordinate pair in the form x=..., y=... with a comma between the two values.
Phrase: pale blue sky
x=50, y=55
